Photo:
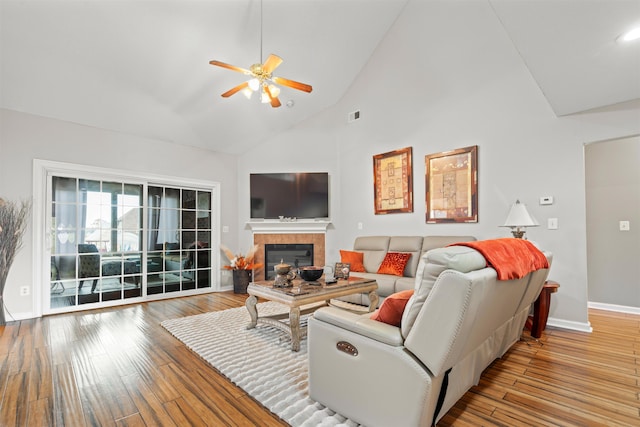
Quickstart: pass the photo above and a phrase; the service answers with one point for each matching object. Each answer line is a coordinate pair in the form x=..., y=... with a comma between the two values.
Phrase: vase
x=241, y=279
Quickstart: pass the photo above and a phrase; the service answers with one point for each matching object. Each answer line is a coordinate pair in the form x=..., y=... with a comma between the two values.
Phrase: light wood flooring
x=119, y=367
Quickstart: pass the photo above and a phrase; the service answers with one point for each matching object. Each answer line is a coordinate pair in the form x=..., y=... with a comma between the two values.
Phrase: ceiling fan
x=262, y=80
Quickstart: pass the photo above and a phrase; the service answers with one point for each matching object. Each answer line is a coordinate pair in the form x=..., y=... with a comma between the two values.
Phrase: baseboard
x=614, y=307
x=569, y=324
x=14, y=317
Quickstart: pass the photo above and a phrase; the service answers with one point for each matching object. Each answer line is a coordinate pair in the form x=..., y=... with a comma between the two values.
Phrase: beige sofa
x=459, y=319
x=374, y=249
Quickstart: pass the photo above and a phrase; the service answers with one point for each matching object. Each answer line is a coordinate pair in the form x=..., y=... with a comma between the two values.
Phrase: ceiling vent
x=353, y=116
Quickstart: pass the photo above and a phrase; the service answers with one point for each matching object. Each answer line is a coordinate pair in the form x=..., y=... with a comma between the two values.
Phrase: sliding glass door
x=179, y=239
x=117, y=240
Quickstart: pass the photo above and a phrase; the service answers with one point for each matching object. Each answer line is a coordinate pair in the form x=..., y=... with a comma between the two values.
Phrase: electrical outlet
x=359, y=226
x=24, y=291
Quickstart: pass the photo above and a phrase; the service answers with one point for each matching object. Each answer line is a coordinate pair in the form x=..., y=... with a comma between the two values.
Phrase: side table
x=541, y=308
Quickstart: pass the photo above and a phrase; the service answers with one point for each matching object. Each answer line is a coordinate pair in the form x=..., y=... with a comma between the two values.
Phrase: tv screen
x=290, y=195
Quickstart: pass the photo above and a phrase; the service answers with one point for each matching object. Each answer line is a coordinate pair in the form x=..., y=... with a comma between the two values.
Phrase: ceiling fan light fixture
x=254, y=84
x=247, y=92
x=275, y=90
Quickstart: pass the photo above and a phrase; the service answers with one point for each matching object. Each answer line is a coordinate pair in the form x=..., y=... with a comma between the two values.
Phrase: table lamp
x=519, y=218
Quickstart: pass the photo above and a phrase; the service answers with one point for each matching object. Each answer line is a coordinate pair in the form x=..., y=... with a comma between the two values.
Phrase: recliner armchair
x=459, y=319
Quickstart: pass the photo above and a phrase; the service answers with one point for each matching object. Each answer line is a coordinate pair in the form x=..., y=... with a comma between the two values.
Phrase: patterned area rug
x=259, y=360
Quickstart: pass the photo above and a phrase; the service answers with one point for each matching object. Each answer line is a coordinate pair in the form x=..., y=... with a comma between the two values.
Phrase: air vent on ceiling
x=353, y=116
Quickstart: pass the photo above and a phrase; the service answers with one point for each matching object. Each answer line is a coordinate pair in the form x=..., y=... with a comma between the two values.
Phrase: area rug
x=259, y=361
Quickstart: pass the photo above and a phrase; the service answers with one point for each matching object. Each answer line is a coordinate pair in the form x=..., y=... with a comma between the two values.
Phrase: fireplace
x=314, y=242
x=294, y=254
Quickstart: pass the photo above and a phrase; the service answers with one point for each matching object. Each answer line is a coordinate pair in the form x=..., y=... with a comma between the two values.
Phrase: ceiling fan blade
x=271, y=63
x=275, y=102
x=230, y=67
x=235, y=90
x=292, y=84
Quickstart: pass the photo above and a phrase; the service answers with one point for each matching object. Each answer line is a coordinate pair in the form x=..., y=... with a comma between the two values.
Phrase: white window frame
x=41, y=214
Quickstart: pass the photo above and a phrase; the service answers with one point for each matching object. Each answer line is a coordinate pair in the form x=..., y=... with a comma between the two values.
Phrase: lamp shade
x=519, y=216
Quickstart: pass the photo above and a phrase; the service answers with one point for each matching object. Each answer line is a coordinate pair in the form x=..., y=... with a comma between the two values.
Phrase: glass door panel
x=180, y=226
x=96, y=232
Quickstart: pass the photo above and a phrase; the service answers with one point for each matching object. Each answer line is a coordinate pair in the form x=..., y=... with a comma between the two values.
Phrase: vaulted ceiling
x=142, y=67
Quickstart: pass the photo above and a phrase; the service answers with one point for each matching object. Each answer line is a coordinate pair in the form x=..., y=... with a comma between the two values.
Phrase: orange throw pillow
x=392, y=308
x=394, y=263
x=356, y=260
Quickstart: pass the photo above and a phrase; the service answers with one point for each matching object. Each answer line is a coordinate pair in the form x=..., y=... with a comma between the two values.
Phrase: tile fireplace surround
x=288, y=233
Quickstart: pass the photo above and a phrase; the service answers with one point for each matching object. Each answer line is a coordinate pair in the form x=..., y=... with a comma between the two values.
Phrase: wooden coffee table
x=303, y=294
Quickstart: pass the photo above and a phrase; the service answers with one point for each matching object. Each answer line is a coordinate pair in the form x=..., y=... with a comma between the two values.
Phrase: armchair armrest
x=361, y=324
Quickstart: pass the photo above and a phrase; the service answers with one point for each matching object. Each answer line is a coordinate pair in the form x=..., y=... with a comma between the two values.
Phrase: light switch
x=359, y=226
x=225, y=228
x=552, y=223
x=625, y=226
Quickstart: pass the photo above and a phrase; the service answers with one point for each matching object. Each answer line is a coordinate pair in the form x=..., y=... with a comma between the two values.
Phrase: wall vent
x=353, y=116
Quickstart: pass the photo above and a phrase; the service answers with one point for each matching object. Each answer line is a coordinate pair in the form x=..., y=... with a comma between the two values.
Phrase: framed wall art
x=452, y=186
x=393, y=182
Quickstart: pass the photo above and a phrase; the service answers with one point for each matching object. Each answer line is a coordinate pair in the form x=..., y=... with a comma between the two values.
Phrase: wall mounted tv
x=289, y=195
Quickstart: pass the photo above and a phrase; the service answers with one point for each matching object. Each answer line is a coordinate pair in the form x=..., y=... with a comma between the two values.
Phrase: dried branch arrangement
x=13, y=223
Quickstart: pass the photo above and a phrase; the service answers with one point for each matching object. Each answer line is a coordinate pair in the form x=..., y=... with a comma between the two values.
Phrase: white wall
x=24, y=137
x=437, y=88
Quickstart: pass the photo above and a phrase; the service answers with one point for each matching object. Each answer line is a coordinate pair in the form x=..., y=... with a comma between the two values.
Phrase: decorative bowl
x=310, y=273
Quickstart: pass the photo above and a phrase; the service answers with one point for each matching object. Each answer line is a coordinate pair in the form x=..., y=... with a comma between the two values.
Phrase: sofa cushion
x=394, y=263
x=374, y=249
x=404, y=283
x=408, y=244
x=355, y=259
x=386, y=283
x=434, y=262
x=392, y=308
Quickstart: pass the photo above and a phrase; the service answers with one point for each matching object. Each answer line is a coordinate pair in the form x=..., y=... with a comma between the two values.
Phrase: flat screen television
x=289, y=195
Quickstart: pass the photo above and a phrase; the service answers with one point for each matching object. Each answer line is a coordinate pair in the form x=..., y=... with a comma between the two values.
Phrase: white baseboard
x=614, y=307
x=569, y=324
x=14, y=317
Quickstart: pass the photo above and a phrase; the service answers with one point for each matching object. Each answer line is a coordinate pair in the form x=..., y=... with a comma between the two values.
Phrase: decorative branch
x=13, y=223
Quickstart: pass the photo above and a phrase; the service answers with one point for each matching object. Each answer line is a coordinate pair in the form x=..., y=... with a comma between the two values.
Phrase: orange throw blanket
x=511, y=258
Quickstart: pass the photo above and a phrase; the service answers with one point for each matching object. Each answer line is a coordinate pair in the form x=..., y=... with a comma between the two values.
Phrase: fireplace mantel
x=300, y=226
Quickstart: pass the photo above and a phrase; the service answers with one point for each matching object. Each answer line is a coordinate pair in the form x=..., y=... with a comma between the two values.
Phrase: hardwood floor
x=119, y=367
